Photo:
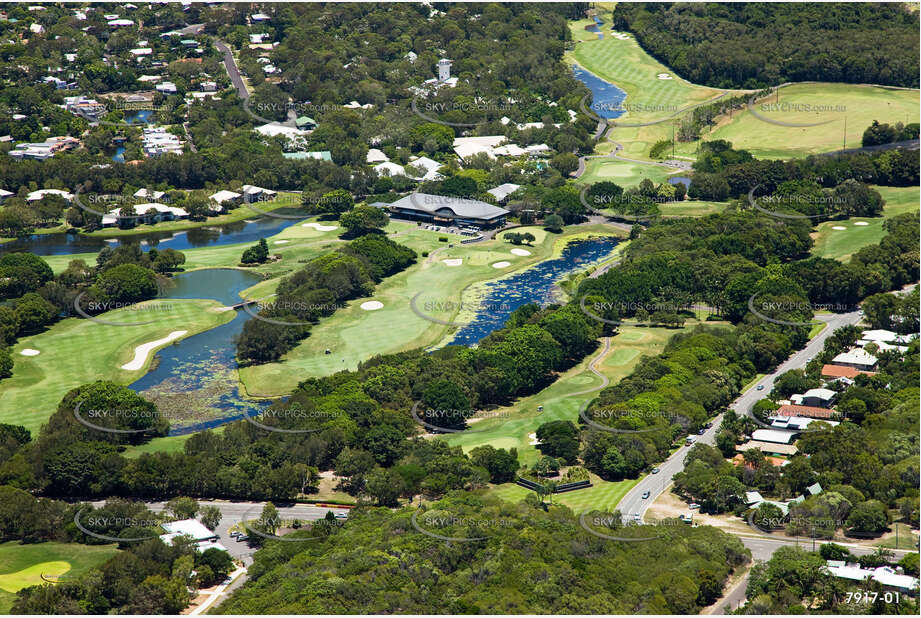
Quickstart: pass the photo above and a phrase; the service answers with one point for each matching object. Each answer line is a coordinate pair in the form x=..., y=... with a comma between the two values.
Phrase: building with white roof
x=879, y=335
x=35, y=196
x=468, y=146
x=272, y=129
x=166, y=88
x=144, y=213
x=376, y=156
x=224, y=197
x=885, y=575
x=819, y=397
x=796, y=423
x=856, y=358
x=252, y=193
x=157, y=141
x=5, y=194
x=502, y=192
x=259, y=17
x=145, y=194
x=773, y=435
x=428, y=167
x=192, y=528
x=389, y=168
x=121, y=23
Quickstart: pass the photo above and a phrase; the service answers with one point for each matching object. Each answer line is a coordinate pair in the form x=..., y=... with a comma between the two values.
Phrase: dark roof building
x=448, y=210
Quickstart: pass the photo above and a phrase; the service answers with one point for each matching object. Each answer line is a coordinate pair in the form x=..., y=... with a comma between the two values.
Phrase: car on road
x=242, y=537
x=693, y=506
x=760, y=387
x=645, y=495
x=636, y=517
x=655, y=470
x=700, y=431
x=342, y=515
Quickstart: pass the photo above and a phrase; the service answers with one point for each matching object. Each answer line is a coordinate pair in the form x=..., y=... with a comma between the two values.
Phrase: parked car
x=700, y=431
x=693, y=505
x=242, y=537
x=645, y=495
x=342, y=515
x=636, y=517
x=760, y=387
x=655, y=470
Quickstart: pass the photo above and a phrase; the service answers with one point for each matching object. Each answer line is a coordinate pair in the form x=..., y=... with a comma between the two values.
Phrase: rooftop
x=464, y=208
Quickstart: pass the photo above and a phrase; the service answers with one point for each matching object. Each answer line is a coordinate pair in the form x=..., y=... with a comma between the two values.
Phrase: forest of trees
x=754, y=45
x=530, y=562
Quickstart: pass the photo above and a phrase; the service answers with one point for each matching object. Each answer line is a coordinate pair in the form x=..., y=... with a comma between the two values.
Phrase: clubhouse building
x=447, y=210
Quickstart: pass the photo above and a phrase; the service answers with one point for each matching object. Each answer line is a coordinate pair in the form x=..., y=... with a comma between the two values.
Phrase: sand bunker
x=838, y=227
x=520, y=252
x=453, y=262
x=663, y=76
x=30, y=352
x=620, y=35
x=501, y=264
x=534, y=440
x=141, y=352
x=861, y=223
x=281, y=242
x=320, y=227
x=372, y=305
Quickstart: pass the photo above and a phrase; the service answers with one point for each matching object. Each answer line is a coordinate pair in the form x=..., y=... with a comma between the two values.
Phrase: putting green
x=841, y=244
x=78, y=351
x=32, y=576
x=624, y=173
x=23, y=565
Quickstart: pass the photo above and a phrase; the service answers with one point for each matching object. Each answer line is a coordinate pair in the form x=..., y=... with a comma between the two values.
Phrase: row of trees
x=317, y=290
x=724, y=172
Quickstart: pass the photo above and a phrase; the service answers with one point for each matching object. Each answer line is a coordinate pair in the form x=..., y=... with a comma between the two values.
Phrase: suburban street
x=655, y=484
x=762, y=547
x=232, y=69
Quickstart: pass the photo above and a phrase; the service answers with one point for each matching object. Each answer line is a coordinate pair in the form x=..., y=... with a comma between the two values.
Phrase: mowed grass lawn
x=860, y=105
x=76, y=351
x=842, y=244
x=624, y=173
x=511, y=427
x=353, y=334
x=22, y=566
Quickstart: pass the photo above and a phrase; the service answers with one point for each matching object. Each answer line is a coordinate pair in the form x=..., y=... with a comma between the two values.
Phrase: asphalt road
x=655, y=484
x=232, y=69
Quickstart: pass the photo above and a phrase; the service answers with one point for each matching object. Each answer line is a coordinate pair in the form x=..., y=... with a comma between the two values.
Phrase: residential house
x=856, y=358
x=252, y=193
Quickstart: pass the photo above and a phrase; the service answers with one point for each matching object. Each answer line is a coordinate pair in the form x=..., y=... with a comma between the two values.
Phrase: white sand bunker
x=141, y=352
x=620, y=35
x=663, y=76
x=520, y=252
x=372, y=305
x=281, y=242
x=453, y=262
x=30, y=352
x=838, y=227
x=501, y=264
x=534, y=440
x=861, y=223
x=320, y=227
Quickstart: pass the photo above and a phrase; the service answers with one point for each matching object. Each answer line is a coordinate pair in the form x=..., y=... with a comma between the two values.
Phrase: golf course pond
x=248, y=230
x=194, y=381
x=607, y=99
x=534, y=285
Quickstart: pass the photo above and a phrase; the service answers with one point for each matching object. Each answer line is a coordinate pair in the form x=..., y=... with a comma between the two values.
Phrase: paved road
x=232, y=69
x=764, y=548
x=655, y=484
